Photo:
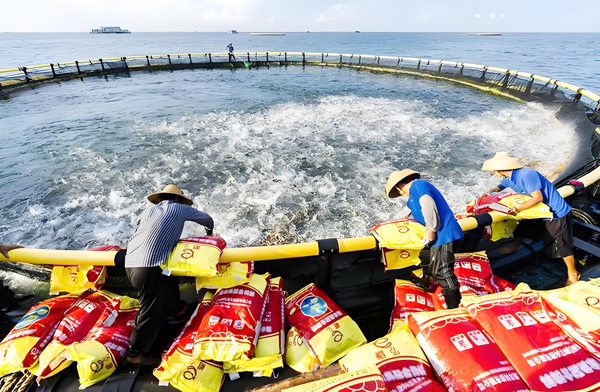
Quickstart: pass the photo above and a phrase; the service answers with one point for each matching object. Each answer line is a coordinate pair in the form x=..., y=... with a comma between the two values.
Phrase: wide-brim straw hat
x=172, y=190
x=395, y=178
x=502, y=161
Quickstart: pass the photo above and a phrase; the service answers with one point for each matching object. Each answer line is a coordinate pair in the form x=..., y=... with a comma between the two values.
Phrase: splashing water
x=272, y=168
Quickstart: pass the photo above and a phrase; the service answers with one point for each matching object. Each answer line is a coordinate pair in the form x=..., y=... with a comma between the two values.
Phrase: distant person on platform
x=558, y=230
x=231, y=55
x=4, y=249
x=428, y=207
x=158, y=231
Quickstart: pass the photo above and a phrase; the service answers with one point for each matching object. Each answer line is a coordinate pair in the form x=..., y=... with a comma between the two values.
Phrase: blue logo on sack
x=32, y=317
x=313, y=306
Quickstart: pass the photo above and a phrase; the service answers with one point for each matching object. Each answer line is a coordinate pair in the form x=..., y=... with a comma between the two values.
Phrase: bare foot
x=510, y=249
x=573, y=278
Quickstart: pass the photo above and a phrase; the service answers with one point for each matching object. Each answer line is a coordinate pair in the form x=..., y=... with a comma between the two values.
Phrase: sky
x=302, y=15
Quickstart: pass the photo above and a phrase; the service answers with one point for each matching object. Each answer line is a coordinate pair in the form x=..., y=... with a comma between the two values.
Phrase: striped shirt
x=158, y=230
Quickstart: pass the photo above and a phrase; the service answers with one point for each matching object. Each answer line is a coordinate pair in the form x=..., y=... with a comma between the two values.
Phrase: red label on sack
x=212, y=240
x=311, y=311
x=465, y=357
x=234, y=315
x=116, y=337
x=545, y=357
x=273, y=322
x=409, y=298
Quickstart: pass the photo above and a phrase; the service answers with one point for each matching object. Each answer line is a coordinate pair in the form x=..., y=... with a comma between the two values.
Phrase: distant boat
x=357, y=31
x=278, y=34
x=110, y=30
x=484, y=34
x=232, y=32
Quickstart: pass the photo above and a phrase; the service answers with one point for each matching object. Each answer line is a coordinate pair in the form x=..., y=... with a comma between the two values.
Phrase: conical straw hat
x=502, y=161
x=395, y=178
x=170, y=189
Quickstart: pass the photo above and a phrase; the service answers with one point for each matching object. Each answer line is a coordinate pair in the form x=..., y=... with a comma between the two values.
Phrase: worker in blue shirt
x=427, y=206
x=230, y=51
x=559, y=229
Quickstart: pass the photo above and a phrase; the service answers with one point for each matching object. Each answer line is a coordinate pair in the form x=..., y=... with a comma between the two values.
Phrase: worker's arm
x=202, y=218
x=431, y=217
x=536, y=197
x=4, y=249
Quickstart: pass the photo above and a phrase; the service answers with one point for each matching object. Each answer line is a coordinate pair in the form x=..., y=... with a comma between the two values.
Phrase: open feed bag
x=364, y=380
x=230, y=329
x=269, y=351
x=502, y=202
x=400, y=242
x=462, y=354
x=328, y=332
x=297, y=355
x=400, y=360
x=545, y=357
x=76, y=279
x=73, y=328
x=197, y=256
x=178, y=366
x=101, y=351
x=409, y=298
x=21, y=348
x=228, y=275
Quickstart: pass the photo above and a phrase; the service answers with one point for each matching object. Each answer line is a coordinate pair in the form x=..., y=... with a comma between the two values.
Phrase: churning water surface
x=275, y=155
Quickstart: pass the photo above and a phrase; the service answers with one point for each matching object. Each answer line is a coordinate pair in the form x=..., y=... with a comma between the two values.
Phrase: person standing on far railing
x=557, y=231
x=231, y=55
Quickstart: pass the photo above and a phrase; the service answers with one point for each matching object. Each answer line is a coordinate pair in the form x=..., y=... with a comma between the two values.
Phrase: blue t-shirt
x=449, y=229
x=527, y=181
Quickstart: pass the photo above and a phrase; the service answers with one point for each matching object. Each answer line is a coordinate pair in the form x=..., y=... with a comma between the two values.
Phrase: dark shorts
x=557, y=234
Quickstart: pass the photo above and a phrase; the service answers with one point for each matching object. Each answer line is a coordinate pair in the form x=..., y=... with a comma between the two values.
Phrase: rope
x=25, y=382
x=9, y=382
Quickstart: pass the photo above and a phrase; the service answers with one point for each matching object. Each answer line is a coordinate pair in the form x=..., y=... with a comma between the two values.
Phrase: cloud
x=501, y=16
x=334, y=12
x=492, y=16
x=322, y=18
x=477, y=16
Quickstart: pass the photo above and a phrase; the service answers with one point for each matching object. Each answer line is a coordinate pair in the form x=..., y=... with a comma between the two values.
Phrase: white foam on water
x=294, y=172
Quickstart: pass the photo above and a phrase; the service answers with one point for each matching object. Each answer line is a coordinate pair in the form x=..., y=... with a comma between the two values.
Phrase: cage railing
x=513, y=83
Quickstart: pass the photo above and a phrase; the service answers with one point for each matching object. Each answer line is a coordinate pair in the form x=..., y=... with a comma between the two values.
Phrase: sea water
x=275, y=155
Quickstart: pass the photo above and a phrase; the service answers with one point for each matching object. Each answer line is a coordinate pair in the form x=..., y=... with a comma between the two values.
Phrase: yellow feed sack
x=297, y=355
x=398, y=357
x=197, y=256
x=102, y=350
x=268, y=354
x=229, y=330
x=400, y=242
x=73, y=328
x=328, y=332
x=75, y=279
x=229, y=275
x=200, y=376
x=21, y=348
x=364, y=380
x=179, y=356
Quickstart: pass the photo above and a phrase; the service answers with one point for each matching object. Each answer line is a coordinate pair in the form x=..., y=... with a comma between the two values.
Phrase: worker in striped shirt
x=158, y=231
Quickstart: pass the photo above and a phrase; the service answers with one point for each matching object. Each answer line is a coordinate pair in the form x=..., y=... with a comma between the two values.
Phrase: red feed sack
x=409, y=298
x=230, y=329
x=482, y=203
x=545, y=357
x=21, y=348
x=463, y=355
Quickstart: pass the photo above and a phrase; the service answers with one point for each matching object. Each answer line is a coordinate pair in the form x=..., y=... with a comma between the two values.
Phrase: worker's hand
x=209, y=231
x=513, y=211
x=4, y=249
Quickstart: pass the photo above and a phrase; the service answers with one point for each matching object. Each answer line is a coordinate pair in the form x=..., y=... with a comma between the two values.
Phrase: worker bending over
x=428, y=207
x=558, y=230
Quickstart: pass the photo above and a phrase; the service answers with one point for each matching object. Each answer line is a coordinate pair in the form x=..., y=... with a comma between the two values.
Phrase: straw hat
x=172, y=190
x=395, y=178
x=502, y=161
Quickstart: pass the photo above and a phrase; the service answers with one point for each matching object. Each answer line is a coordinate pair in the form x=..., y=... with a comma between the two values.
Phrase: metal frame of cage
x=506, y=82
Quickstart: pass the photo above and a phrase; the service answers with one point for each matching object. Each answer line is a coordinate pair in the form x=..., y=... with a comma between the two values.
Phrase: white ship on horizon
x=110, y=30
